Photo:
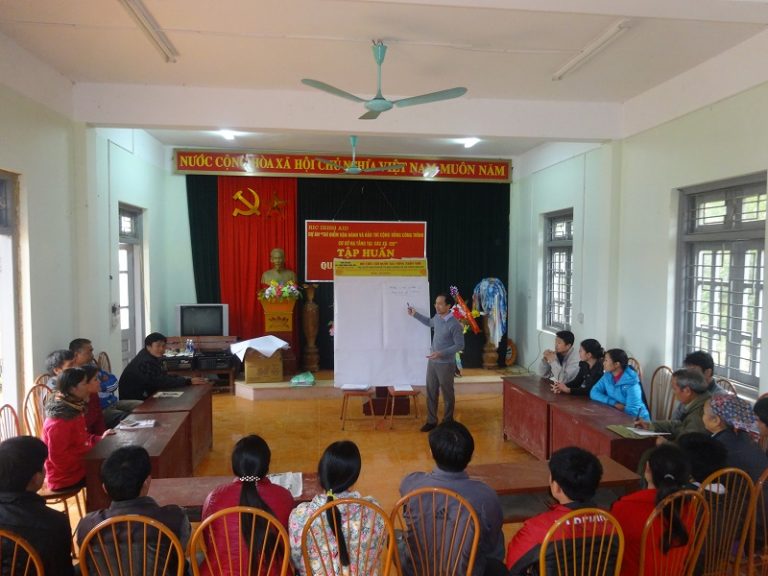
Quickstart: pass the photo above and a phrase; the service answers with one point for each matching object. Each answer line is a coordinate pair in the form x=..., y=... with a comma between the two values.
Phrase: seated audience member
x=691, y=391
x=56, y=362
x=126, y=476
x=590, y=370
x=114, y=410
x=25, y=513
x=145, y=374
x=94, y=417
x=251, y=487
x=562, y=363
x=65, y=433
x=666, y=472
x=452, y=447
x=703, y=362
x=705, y=456
x=761, y=412
x=730, y=420
x=620, y=386
x=337, y=472
x=574, y=475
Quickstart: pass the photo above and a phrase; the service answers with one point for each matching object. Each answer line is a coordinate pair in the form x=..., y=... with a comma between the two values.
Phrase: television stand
x=212, y=356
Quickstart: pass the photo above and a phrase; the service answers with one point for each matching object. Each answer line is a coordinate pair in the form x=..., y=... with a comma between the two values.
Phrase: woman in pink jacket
x=65, y=433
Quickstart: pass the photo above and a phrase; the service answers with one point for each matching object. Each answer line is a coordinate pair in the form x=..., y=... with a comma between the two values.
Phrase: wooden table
x=196, y=401
x=584, y=425
x=523, y=487
x=167, y=443
x=526, y=412
x=190, y=493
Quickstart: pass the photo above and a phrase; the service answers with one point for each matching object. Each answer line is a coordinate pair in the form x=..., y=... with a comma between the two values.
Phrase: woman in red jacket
x=251, y=487
x=666, y=472
x=65, y=433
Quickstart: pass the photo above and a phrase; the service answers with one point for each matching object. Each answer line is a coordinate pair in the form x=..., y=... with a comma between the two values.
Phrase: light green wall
x=37, y=144
x=131, y=168
x=626, y=214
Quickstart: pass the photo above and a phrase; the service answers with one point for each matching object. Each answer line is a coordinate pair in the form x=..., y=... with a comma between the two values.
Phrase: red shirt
x=276, y=497
x=530, y=536
x=68, y=442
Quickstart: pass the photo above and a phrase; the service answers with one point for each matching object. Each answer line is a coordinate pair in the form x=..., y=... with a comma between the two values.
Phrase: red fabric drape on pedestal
x=245, y=239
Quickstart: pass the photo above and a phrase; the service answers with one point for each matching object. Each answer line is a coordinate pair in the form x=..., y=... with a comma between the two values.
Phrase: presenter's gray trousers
x=440, y=379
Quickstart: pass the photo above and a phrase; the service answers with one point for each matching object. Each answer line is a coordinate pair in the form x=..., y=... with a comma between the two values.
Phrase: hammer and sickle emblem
x=253, y=206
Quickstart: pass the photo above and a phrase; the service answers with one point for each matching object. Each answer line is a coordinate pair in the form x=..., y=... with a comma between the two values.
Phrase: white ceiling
x=503, y=51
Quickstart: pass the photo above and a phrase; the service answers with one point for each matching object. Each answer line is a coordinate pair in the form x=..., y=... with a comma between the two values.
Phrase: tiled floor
x=298, y=431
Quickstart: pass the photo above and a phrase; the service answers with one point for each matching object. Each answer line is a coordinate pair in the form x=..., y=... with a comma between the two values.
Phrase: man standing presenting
x=448, y=338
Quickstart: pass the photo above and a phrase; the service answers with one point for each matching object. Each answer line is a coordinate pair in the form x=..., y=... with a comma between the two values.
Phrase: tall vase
x=310, y=320
x=490, y=350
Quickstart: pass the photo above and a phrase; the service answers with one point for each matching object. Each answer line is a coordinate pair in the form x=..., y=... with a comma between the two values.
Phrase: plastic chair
x=440, y=532
x=352, y=393
x=131, y=545
x=218, y=544
x=726, y=385
x=729, y=493
x=691, y=509
x=34, y=409
x=18, y=557
x=368, y=533
x=585, y=542
x=758, y=541
x=103, y=362
x=662, y=399
x=9, y=423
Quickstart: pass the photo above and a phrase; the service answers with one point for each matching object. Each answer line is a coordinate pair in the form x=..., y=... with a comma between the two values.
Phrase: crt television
x=202, y=319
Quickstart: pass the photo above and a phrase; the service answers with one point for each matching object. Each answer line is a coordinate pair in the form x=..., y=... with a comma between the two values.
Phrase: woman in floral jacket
x=338, y=470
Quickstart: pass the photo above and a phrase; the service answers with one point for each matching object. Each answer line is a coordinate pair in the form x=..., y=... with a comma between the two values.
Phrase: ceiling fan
x=354, y=168
x=378, y=103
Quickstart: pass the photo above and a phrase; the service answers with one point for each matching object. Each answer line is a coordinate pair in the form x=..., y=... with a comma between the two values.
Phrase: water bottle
x=188, y=347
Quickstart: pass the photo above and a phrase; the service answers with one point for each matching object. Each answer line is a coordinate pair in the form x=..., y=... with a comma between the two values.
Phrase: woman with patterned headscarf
x=732, y=423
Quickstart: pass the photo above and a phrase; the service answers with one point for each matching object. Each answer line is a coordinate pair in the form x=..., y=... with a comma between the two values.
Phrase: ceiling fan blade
x=370, y=115
x=331, y=89
x=431, y=97
x=329, y=163
x=387, y=168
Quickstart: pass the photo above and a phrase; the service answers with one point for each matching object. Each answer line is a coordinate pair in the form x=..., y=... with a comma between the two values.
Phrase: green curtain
x=202, y=198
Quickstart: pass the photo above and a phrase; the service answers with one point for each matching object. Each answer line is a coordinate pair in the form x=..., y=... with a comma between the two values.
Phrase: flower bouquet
x=463, y=314
x=280, y=292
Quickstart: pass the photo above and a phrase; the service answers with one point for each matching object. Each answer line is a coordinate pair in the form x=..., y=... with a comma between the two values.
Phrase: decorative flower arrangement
x=279, y=292
x=462, y=312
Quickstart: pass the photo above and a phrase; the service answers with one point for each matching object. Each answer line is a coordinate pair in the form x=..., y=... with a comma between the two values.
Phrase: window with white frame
x=558, y=271
x=723, y=256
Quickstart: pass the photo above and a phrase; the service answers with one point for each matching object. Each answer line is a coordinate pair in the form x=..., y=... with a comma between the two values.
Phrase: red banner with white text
x=354, y=240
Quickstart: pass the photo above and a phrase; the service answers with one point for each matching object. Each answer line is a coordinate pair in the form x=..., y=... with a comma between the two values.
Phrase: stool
x=367, y=393
x=392, y=394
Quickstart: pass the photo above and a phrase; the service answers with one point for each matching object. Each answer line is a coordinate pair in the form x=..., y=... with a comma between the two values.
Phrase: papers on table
x=291, y=481
x=168, y=394
x=632, y=432
x=266, y=345
x=132, y=424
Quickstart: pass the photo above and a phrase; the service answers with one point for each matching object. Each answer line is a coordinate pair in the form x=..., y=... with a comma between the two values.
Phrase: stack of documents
x=132, y=424
x=291, y=481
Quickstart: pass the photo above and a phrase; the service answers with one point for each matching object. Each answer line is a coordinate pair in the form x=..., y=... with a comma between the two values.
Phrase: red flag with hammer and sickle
x=256, y=214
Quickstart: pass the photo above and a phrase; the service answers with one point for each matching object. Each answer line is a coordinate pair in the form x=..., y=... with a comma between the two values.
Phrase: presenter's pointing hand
x=411, y=310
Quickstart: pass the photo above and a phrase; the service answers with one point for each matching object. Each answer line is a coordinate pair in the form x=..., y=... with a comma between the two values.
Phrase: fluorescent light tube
x=594, y=47
x=151, y=28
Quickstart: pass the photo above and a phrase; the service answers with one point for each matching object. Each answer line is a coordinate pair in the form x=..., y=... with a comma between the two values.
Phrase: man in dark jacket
x=145, y=374
x=25, y=513
x=126, y=476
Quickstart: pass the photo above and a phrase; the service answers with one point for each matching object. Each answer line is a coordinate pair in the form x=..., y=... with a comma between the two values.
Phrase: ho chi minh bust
x=279, y=273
